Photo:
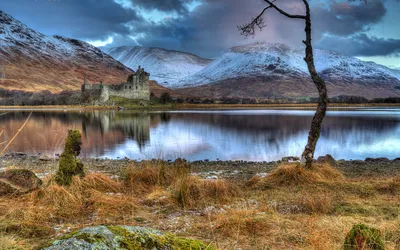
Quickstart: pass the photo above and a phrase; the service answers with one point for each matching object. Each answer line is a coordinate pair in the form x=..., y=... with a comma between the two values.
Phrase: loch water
x=251, y=135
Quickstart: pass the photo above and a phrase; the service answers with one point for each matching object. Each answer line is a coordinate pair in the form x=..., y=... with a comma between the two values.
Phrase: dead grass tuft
x=191, y=191
x=243, y=223
x=9, y=243
x=316, y=203
x=295, y=174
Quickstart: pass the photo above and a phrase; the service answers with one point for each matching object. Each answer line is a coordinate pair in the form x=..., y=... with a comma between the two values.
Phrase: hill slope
x=276, y=70
x=36, y=62
x=167, y=67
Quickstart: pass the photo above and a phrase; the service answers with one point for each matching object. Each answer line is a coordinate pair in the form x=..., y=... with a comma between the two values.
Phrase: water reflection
x=255, y=135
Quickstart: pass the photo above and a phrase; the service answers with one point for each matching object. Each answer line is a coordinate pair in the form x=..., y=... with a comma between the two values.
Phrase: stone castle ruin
x=137, y=87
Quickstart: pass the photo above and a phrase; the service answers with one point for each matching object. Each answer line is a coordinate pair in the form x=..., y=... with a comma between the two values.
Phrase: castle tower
x=84, y=80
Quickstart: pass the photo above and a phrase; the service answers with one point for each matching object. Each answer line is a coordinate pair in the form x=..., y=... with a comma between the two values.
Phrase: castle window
x=136, y=86
x=130, y=87
x=125, y=87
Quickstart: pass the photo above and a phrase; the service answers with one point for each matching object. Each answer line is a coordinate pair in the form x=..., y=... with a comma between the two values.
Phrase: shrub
x=69, y=165
x=165, y=98
x=363, y=237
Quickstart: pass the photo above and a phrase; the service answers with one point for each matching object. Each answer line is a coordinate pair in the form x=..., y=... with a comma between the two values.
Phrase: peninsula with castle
x=137, y=87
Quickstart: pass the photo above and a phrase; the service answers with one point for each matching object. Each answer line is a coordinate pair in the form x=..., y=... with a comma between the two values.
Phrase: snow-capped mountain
x=267, y=70
x=34, y=61
x=167, y=67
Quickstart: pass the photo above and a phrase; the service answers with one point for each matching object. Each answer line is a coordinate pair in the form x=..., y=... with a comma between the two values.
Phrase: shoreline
x=200, y=106
x=241, y=170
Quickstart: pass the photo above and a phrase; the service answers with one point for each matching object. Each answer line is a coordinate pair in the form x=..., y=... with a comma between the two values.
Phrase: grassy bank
x=290, y=208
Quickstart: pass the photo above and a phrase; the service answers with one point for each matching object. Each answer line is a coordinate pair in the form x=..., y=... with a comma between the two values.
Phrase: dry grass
x=191, y=191
x=295, y=174
x=9, y=243
x=300, y=209
x=185, y=190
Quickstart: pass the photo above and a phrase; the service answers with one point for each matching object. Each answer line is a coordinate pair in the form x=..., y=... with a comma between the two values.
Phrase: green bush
x=69, y=164
x=363, y=237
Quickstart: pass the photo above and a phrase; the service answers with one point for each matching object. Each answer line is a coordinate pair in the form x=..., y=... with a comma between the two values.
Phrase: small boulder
x=363, y=237
x=18, y=181
x=328, y=159
x=44, y=158
x=290, y=159
x=124, y=237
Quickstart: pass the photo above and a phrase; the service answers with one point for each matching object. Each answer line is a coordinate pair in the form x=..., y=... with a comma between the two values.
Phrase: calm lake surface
x=252, y=135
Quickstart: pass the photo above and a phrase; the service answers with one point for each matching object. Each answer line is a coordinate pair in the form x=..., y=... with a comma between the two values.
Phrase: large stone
x=328, y=159
x=123, y=237
x=18, y=181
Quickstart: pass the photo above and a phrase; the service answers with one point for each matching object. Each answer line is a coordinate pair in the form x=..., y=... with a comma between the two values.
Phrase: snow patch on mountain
x=266, y=59
x=51, y=62
x=167, y=67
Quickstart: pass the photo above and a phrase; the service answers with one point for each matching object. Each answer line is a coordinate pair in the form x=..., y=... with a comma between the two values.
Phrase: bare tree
x=315, y=130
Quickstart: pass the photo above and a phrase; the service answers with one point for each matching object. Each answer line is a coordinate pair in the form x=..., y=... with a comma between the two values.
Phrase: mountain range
x=277, y=70
x=34, y=62
x=167, y=67
x=261, y=70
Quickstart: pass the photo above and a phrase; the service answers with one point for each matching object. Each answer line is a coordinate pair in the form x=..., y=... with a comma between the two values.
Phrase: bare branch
x=248, y=29
x=271, y=4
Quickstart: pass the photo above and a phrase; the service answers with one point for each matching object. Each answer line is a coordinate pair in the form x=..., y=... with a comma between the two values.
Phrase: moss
x=69, y=164
x=89, y=238
x=363, y=237
x=150, y=239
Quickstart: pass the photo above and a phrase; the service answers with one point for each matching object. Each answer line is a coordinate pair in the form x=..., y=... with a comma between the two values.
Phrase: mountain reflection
x=228, y=135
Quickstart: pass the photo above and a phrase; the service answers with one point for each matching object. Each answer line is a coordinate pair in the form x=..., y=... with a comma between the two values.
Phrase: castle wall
x=130, y=91
x=138, y=90
x=137, y=87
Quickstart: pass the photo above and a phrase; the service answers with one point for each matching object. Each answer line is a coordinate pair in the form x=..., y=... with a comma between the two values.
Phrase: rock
x=123, y=237
x=212, y=177
x=143, y=104
x=363, y=237
x=18, y=181
x=44, y=158
x=290, y=159
x=120, y=108
x=328, y=159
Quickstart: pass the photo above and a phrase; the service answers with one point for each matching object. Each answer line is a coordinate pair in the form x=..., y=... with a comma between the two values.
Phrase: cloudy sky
x=209, y=27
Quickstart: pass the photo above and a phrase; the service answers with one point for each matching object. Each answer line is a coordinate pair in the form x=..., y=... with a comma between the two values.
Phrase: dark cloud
x=361, y=45
x=162, y=5
x=83, y=19
x=212, y=27
x=342, y=18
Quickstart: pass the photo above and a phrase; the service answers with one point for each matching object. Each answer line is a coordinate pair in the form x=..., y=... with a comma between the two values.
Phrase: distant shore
x=198, y=106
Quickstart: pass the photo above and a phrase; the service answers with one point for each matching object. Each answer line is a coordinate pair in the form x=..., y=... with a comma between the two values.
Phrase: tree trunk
x=313, y=136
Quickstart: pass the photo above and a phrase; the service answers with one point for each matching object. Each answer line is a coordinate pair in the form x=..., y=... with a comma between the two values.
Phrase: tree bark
x=315, y=130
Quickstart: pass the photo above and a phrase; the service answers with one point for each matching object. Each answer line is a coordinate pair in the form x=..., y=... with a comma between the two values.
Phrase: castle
x=137, y=87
